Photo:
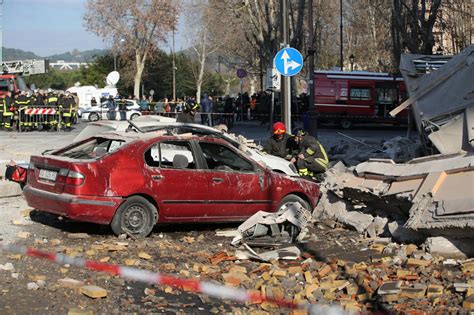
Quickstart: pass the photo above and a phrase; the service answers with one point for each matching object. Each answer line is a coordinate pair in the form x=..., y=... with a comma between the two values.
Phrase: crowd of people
x=53, y=111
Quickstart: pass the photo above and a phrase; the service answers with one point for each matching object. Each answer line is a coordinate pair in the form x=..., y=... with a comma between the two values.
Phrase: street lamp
x=115, y=55
x=351, y=59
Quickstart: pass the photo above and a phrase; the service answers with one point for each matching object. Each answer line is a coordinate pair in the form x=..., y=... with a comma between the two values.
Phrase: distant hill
x=71, y=56
x=78, y=56
x=18, y=54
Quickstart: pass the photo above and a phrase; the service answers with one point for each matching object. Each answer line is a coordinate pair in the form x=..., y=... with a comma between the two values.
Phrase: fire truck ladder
x=25, y=67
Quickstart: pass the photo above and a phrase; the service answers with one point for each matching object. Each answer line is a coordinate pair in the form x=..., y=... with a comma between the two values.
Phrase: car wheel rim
x=135, y=219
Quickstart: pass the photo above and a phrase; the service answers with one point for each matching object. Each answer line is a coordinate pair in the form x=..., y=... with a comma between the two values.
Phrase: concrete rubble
x=430, y=196
x=442, y=101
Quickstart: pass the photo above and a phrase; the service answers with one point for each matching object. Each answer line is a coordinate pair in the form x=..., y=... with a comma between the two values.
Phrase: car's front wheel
x=94, y=117
x=134, y=116
x=135, y=217
x=293, y=230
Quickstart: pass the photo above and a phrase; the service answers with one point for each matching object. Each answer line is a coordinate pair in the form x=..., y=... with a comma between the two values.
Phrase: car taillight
x=74, y=178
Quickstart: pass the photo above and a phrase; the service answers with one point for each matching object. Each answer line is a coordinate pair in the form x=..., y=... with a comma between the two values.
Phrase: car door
x=238, y=187
x=180, y=190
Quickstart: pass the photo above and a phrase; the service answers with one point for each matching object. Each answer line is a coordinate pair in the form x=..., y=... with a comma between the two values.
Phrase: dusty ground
x=185, y=250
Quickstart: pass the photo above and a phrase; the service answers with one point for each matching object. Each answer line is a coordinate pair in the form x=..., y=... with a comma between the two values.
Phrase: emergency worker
x=189, y=113
x=280, y=144
x=21, y=103
x=66, y=108
x=312, y=158
x=7, y=111
x=52, y=101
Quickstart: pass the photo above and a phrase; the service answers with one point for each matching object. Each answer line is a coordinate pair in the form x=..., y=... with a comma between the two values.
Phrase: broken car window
x=92, y=149
x=164, y=154
x=219, y=157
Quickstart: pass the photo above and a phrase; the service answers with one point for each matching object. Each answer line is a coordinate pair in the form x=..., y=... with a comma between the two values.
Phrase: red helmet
x=279, y=128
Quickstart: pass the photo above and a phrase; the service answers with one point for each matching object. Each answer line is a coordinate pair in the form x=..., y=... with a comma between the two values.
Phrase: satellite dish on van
x=113, y=77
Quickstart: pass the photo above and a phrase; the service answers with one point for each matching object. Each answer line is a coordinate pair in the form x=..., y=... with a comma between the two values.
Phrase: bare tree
x=412, y=26
x=204, y=43
x=136, y=25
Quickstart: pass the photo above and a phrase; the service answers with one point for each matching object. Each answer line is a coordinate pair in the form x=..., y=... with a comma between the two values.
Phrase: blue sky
x=48, y=27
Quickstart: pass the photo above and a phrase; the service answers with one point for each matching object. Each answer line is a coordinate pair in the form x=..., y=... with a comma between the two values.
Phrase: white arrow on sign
x=288, y=64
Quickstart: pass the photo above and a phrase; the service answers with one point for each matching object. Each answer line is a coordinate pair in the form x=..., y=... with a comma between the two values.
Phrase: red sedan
x=133, y=181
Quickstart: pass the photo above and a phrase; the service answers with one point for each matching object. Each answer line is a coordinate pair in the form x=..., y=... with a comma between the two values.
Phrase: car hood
x=274, y=163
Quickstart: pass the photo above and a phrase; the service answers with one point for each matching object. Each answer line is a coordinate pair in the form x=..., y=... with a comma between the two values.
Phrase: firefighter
x=312, y=159
x=21, y=103
x=52, y=102
x=7, y=111
x=66, y=107
x=187, y=116
x=280, y=143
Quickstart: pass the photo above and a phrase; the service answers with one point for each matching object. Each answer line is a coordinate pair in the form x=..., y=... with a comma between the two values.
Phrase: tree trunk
x=140, y=62
x=202, y=65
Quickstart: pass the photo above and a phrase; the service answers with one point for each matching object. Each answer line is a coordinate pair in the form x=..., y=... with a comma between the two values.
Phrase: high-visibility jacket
x=6, y=103
x=313, y=150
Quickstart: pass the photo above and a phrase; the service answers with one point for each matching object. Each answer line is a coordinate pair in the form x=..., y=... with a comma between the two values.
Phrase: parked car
x=95, y=113
x=156, y=123
x=134, y=180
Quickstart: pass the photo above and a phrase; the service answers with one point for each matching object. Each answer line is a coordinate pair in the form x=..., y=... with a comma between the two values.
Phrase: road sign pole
x=285, y=83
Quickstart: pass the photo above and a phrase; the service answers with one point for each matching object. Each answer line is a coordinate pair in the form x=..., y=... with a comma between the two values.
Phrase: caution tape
x=211, y=289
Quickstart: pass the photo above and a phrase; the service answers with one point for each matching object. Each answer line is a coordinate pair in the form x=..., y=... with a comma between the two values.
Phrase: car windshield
x=92, y=149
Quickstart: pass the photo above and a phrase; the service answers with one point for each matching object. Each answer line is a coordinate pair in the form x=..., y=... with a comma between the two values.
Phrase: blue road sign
x=288, y=61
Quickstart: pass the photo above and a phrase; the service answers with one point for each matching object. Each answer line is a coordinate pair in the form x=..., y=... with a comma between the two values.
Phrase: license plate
x=48, y=175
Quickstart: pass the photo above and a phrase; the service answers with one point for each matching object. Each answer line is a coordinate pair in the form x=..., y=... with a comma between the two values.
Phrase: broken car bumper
x=84, y=208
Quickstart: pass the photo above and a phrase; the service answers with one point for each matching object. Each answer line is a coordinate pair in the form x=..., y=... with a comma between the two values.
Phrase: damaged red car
x=133, y=181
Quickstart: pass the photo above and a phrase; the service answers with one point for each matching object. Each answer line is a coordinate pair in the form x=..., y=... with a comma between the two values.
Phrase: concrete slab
x=9, y=189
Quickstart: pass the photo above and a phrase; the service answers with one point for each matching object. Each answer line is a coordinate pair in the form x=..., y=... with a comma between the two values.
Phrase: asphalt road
x=20, y=146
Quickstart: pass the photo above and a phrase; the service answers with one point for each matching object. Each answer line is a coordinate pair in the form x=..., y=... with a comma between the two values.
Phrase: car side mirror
x=180, y=161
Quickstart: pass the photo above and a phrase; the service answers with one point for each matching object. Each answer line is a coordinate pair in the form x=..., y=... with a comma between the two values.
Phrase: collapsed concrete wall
x=430, y=196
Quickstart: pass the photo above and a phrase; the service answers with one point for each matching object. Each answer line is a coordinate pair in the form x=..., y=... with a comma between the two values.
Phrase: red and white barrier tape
x=211, y=289
x=40, y=111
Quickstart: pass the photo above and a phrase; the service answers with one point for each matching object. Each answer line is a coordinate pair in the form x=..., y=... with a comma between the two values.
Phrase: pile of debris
x=427, y=197
x=352, y=151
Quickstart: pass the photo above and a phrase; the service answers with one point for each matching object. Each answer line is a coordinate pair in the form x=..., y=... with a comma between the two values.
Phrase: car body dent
x=180, y=195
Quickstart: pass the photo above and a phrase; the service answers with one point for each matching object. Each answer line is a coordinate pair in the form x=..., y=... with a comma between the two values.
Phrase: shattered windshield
x=92, y=149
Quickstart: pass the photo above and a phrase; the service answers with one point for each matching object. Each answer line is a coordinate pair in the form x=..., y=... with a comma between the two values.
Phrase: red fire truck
x=11, y=73
x=346, y=98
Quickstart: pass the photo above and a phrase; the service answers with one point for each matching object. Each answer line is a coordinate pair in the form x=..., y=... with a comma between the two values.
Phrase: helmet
x=191, y=107
x=299, y=132
x=279, y=128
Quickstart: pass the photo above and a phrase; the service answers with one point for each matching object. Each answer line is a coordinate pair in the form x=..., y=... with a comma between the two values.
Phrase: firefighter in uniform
x=312, y=158
x=7, y=111
x=280, y=144
x=66, y=107
x=52, y=102
x=187, y=116
x=21, y=103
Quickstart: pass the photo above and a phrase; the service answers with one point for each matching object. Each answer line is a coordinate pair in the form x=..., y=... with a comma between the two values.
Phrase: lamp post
x=341, y=53
x=1, y=31
x=115, y=55
x=174, y=71
x=351, y=59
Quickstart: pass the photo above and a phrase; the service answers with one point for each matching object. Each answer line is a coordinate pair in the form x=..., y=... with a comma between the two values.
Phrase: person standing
x=93, y=102
x=123, y=108
x=7, y=112
x=229, y=112
x=188, y=115
x=143, y=103
x=205, y=105
x=111, y=106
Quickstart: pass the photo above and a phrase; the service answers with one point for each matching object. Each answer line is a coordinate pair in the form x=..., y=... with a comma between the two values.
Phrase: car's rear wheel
x=135, y=217
x=94, y=117
x=293, y=230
